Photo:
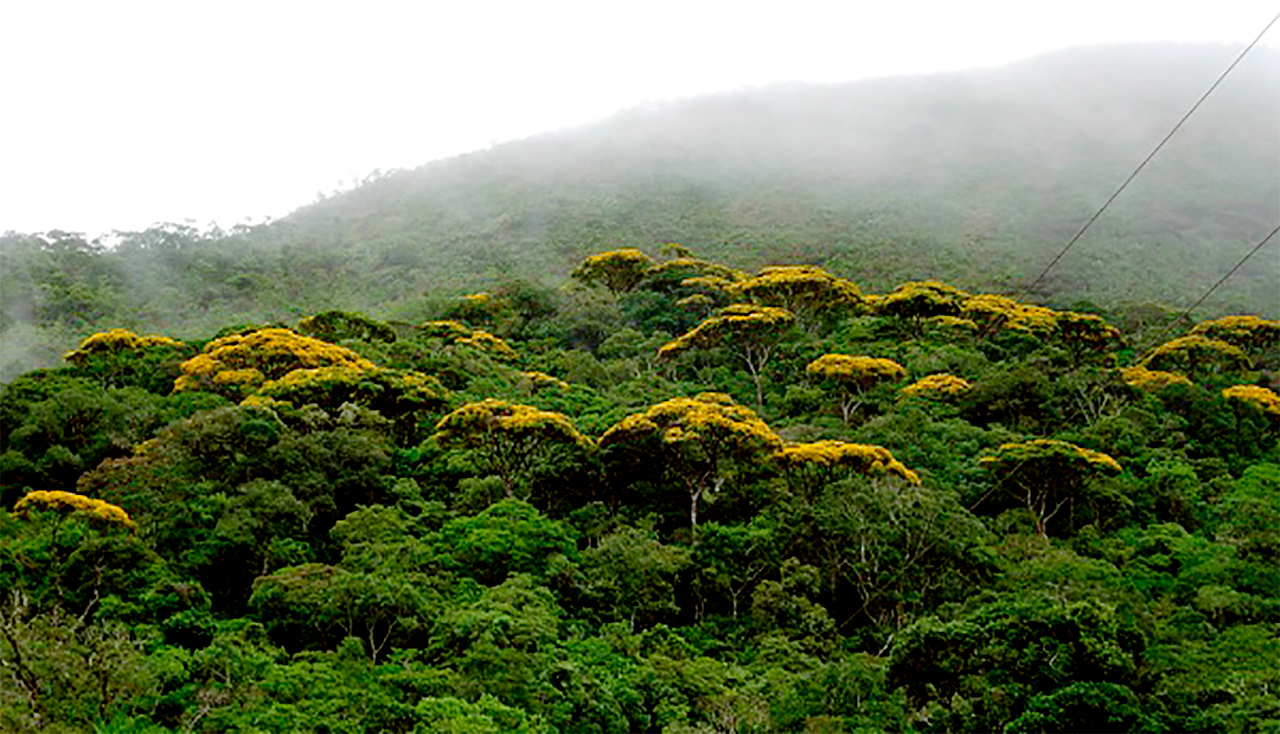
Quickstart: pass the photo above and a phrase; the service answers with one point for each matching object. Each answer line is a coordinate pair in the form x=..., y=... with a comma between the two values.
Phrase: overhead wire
x=1071, y=243
x=1209, y=292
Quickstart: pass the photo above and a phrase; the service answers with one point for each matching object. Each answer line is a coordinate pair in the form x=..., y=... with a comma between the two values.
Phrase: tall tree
x=700, y=443
x=752, y=333
x=853, y=376
x=1046, y=476
x=508, y=439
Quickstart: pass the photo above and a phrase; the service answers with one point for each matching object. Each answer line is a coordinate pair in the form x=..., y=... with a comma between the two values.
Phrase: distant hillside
x=978, y=177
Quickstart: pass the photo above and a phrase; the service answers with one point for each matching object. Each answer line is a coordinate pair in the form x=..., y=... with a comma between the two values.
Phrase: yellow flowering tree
x=69, y=503
x=989, y=311
x=119, y=358
x=808, y=291
x=699, y=443
x=1197, y=356
x=853, y=375
x=809, y=466
x=1147, y=380
x=752, y=333
x=937, y=387
x=390, y=392
x=478, y=339
x=1046, y=475
x=238, y=364
x=691, y=272
x=915, y=301
x=1260, y=397
x=481, y=308
x=508, y=439
x=618, y=270
x=1085, y=333
x=117, y=340
x=1247, y=332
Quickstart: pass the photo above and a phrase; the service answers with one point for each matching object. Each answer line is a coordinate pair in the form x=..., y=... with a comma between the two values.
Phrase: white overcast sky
x=117, y=114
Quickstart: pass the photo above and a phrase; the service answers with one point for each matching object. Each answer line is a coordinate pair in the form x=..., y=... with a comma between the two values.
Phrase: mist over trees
x=478, y=447
x=977, y=178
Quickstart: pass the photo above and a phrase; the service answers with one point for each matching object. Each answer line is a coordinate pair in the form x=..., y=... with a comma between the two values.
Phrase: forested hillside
x=978, y=178
x=674, y=496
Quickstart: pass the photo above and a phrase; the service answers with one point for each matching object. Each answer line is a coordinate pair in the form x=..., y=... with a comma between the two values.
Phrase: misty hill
x=977, y=177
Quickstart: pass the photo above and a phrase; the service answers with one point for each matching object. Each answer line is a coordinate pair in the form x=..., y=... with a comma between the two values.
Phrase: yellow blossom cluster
x=861, y=370
x=444, y=330
x=1052, y=451
x=1012, y=314
x=261, y=354
x=711, y=283
x=1265, y=399
x=618, y=270
x=73, y=503
x=116, y=340
x=1085, y=329
x=489, y=344
x=939, y=385
x=692, y=267
x=1247, y=332
x=954, y=322
x=739, y=321
x=537, y=381
x=477, y=339
x=1151, y=380
x=706, y=418
x=696, y=302
x=859, y=458
x=920, y=299
x=1195, y=351
x=480, y=423
x=798, y=288
x=248, y=376
x=386, y=390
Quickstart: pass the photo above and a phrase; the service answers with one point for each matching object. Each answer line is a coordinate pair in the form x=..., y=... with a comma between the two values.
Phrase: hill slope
x=943, y=175
x=977, y=177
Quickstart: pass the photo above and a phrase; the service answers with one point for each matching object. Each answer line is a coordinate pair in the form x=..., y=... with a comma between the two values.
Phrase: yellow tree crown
x=858, y=458
x=798, y=288
x=71, y=503
x=262, y=354
x=1147, y=380
x=861, y=370
x=739, y=322
x=939, y=385
x=117, y=340
x=1265, y=399
x=1247, y=332
x=618, y=270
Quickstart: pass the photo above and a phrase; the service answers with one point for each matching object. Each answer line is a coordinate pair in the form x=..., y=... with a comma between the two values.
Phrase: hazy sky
x=119, y=114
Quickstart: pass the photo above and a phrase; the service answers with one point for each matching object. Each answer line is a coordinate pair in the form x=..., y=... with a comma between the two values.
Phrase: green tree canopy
x=699, y=443
x=1046, y=475
x=617, y=270
x=752, y=333
x=853, y=376
x=508, y=439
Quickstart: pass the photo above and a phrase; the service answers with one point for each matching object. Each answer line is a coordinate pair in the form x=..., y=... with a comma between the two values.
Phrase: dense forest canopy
x=478, y=447
x=658, y=499
x=977, y=178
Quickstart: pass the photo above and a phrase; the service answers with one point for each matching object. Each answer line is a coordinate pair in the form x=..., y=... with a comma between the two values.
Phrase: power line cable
x=1023, y=293
x=1209, y=292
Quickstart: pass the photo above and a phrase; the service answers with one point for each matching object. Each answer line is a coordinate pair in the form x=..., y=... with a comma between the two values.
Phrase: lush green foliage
x=589, y=531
